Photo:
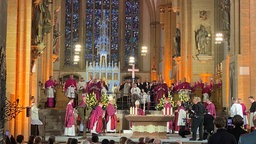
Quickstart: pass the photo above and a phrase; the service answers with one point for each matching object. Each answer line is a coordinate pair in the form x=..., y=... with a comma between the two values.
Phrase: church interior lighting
x=131, y=60
x=76, y=53
x=144, y=50
x=218, y=38
x=77, y=48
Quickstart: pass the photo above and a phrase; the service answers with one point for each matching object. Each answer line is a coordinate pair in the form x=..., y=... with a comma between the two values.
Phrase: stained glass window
x=94, y=17
x=71, y=29
x=94, y=13
x=131, y=43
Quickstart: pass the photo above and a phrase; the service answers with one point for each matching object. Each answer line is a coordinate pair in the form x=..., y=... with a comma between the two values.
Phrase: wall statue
x=203, y=41
x=177, y=42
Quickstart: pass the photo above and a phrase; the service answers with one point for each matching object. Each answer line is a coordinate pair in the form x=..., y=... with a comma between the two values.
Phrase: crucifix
x=133, y=70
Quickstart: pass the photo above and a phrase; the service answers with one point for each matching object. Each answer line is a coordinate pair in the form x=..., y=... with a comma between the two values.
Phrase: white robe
x=181, y=117
x=34, y=115
x=135, y=91
x=252, y=114
x=236, y=109
x=50, y=92
x=108, y=126
x=70, y=92
x=144, y=97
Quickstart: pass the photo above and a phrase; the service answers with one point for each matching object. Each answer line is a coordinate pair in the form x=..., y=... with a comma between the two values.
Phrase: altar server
x=181, y=118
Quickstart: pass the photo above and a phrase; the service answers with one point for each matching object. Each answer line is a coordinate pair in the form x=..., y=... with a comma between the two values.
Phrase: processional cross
x=133, y=70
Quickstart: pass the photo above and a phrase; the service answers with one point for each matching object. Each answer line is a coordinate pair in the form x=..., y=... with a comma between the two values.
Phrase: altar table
x=149, y=125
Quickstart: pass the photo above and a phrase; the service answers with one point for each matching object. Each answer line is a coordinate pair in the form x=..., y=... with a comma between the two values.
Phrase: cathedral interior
x=173, y=39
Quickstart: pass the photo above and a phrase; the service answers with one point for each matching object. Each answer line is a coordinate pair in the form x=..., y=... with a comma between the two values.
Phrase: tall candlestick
x=144, y=106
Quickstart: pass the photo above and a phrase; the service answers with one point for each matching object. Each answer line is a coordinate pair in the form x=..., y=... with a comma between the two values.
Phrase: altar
x=149, y=125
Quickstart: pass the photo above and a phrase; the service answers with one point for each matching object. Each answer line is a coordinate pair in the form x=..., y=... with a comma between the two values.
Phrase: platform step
x=53, y=121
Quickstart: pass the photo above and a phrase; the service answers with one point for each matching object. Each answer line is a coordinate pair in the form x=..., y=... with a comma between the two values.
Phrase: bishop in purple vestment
x=161, y=89
x=70, y=119
x=210, y=107
x=96, y=121
x=70, y=87
x=111, y=118
x=95, y=87
x=49, y=89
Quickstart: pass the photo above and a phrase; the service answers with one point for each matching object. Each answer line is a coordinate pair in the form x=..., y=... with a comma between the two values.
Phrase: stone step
x=53, y=120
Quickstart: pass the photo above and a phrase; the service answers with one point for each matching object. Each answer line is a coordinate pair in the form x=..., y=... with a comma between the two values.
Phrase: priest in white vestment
x=236, y=108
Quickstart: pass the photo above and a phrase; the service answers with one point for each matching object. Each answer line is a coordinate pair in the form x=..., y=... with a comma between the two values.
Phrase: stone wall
x=3, y=20
x=202, y=62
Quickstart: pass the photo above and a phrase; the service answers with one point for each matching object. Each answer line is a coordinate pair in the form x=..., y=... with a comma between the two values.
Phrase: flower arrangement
x=170, y=99
x=184, y=95
x=104, y=100
x=162, y=102
x=185, y=98
x=91, y=100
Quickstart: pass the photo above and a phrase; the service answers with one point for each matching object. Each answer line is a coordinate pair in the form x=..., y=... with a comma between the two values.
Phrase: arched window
x=96, y=11
x=131, y=43
x=93, y=14
x=71, y=29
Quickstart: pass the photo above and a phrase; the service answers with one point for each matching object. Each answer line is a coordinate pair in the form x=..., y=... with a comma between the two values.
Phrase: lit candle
x=164, y=111
x=133, y=110
x=168, y=111
x=171, y=111
x=130, y=110
x=136, y=111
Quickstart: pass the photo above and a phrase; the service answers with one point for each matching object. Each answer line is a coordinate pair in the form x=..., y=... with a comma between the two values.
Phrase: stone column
x=3, y=23
x=168, y=18
x=19, y=61
x=186, y=39
x=155, y=28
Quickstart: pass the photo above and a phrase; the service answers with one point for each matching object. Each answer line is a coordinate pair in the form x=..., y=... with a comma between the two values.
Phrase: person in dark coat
x=248, y=138
x=221, y=136
x=237, y=131
x=208, y=125
x=198, y=111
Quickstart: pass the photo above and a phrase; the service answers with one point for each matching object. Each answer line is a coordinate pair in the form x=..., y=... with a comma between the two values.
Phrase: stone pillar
x=19, y=61
x=168, y=18
x=154, y=49
x=3, y=23
x=186, y=39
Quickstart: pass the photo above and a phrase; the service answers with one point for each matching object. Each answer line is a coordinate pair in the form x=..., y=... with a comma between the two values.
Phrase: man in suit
x=249, y=138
